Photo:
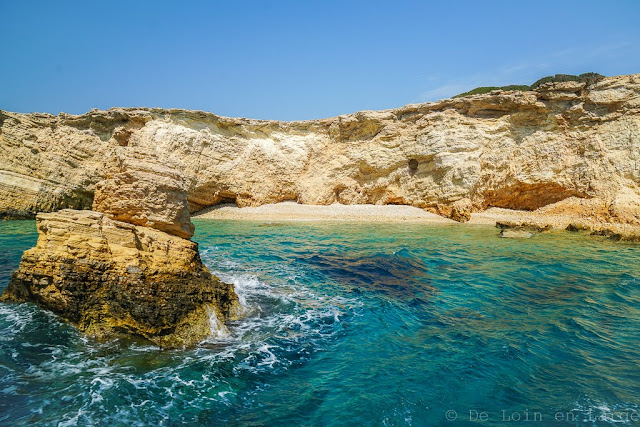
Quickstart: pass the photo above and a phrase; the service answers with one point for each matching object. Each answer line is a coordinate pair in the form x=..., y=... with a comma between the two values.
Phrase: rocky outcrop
x=573, y=214
x=528, y=227
x=517, y=150
x=142, y=192
x=130, y=269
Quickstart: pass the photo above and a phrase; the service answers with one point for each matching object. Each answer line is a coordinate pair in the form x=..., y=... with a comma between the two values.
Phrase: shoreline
x=504, y=218
x=292, y=211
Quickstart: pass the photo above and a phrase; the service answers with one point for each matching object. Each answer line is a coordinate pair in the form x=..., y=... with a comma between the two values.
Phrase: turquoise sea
x=356, y=324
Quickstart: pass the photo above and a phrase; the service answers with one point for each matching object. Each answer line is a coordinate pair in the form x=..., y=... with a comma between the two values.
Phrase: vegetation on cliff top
x=486, y=89
x=588, y=78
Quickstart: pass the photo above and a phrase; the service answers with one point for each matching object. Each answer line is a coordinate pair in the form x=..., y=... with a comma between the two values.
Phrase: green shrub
x=588, y=78
x=487, y=89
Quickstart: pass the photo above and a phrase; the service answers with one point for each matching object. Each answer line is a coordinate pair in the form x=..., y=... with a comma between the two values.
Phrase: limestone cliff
x=518, y=150
x=129, y=269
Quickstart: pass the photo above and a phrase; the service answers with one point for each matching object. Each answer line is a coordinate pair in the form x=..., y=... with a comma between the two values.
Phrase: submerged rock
x=531, y=226
x=516, y=234
x=538, y=224
x=521, y=229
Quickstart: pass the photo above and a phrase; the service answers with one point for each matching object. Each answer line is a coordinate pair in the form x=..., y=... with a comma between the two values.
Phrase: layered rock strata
x=516, y=150
x=129, y=269
x=140, y=191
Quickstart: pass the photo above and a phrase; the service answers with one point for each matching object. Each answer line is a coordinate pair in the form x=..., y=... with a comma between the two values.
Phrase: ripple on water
x=389, y=325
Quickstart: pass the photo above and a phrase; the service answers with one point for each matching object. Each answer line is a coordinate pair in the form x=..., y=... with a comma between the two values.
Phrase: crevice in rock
x=488, y=113
x=413, y=166
x=208, y=195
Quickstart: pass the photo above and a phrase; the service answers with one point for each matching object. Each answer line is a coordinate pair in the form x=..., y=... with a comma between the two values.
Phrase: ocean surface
x=356, y=324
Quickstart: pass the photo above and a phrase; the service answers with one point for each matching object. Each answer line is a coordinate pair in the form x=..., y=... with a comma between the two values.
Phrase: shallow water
x=355, y=324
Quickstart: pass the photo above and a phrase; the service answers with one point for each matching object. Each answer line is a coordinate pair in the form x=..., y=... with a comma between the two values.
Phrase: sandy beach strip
x=292, y=211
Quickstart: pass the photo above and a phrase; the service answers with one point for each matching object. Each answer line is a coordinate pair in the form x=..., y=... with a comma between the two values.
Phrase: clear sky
x=300, y=59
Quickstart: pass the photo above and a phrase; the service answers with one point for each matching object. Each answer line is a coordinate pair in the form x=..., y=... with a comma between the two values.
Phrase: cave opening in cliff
x=413, y=166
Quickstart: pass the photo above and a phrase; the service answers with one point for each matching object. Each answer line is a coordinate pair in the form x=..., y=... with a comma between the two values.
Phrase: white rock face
x=519, y=150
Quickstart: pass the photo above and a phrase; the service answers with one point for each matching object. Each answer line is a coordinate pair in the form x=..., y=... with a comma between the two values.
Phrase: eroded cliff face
x=518, y=150
x=127, y=267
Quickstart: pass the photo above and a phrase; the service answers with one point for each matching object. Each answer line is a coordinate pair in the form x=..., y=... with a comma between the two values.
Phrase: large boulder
x=128, y=266
x=110, y=278
x=144, y=192
x=461, y=210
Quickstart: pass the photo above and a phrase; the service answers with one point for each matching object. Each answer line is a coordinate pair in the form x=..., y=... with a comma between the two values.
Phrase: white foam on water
x=604, y=413
x=218, y=329
x=72, y=421
x=271, y=358
x=278, y=317
x=20, y=316
x=247, y=286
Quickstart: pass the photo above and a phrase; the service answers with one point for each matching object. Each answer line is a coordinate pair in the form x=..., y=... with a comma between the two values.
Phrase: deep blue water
x=356, y=324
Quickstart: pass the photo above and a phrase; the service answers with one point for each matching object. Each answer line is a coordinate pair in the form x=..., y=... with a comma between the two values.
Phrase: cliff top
x=609, y=90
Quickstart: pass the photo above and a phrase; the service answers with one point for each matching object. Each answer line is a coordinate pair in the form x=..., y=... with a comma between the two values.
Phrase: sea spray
x=218, y=328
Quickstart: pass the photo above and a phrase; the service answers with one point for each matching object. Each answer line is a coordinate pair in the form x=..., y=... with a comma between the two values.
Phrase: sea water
x=355, y=324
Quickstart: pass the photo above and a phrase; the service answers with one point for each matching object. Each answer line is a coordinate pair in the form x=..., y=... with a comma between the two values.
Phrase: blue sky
x=293, y=60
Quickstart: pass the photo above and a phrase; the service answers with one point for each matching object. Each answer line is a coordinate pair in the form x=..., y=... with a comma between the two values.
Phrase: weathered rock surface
x=572, y=214
x=108, y=277
x=518, y=150
x=142, y=192
x=130, y=268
